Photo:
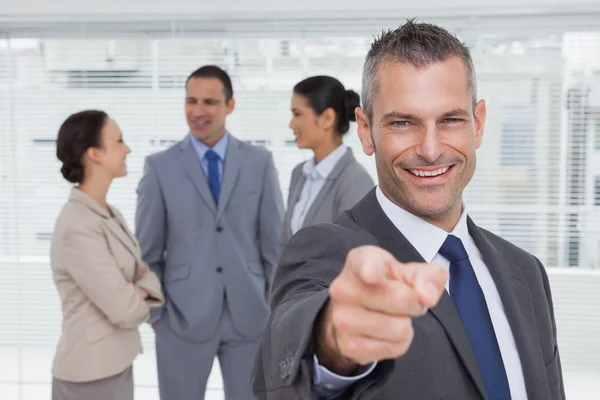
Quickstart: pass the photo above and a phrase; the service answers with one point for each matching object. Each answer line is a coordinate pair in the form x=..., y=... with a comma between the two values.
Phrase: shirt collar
x=324, y=168
x=425, y=237
x=220, y=147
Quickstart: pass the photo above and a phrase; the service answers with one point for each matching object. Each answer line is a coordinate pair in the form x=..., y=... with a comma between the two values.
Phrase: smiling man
x=404, y=296
x=208, y=220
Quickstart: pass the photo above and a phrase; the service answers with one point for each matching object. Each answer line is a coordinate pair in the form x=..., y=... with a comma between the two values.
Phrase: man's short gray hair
x=418, y=44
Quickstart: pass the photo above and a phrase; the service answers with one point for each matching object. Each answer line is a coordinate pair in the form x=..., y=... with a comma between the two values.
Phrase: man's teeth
x=429, y=173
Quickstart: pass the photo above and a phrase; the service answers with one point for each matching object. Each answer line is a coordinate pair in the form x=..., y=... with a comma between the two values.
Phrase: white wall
x=240, y=8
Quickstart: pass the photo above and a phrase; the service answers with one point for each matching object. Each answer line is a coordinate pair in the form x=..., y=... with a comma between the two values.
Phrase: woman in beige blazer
x=333, y=180
x=106, y=290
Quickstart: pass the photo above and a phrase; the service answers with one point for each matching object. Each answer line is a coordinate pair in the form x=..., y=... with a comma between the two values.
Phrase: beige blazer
x=96, y=264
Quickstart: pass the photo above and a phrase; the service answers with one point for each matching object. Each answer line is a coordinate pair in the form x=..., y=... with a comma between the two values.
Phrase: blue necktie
x=214, y=182
x=472, y=308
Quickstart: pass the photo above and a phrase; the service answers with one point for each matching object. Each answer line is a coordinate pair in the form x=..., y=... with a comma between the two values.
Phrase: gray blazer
x=200, y=251
x=347, y=183
x=439, y=363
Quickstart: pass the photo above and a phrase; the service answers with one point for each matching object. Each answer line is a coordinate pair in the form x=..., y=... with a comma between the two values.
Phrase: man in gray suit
x=208, y=220
x=363, y=308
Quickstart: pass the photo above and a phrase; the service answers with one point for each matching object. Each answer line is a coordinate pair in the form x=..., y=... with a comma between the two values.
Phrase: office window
x=517, y=129
x=519, y=230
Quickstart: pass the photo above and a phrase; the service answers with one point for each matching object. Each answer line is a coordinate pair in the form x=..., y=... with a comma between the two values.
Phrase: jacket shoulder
x=253, y=151
x=166, y=155
x=75, y=218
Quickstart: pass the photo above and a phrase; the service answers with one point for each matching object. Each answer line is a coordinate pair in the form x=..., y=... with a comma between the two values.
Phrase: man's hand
x=371, y=306
x=142, y=292
x=140, y=272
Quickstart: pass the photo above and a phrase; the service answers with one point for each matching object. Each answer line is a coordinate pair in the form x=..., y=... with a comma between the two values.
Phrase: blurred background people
x=105, y=288
x=333, y=180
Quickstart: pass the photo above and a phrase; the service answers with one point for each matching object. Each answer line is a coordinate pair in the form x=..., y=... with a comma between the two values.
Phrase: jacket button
x=219, y=229
x=219, y=269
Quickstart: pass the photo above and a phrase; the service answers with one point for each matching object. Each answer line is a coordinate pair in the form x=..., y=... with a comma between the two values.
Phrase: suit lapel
x=193, y=167
x=326, y=188
x=318, y=202
x=119, y=230
x=121, y=233
x=298, y=181
x=518, y=307
x=296, y=187
x=231, y=169
x=369, y=215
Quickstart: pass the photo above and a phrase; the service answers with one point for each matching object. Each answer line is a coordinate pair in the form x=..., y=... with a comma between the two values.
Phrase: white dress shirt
x=315, y=175
x=427, y=240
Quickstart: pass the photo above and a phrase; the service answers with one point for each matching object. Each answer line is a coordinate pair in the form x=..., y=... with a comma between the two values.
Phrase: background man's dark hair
x=212, y=71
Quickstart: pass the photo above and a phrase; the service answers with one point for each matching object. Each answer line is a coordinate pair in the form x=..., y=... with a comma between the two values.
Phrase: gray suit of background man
x=208, y=219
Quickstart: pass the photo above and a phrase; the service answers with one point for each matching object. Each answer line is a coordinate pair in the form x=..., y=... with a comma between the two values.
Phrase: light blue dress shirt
x=220, y=148
x=331, y=386
x=315, y=179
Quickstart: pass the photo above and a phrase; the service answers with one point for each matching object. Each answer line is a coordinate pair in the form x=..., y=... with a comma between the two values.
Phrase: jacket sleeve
x=561, y=383
x=270, y=218
x=150, y=283
x=284, y=364
x=151, y=225
x=353, y=186
x=89, y=262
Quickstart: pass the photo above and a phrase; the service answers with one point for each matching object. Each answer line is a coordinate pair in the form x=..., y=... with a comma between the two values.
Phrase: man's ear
x=364, y=132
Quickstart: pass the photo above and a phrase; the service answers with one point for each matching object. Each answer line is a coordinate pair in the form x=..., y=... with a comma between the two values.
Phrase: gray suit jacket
x=347, y=183
x=200, y=251
x=440, y=363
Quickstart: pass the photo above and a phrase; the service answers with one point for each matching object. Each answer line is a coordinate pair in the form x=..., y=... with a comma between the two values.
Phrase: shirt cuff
x=330, y=385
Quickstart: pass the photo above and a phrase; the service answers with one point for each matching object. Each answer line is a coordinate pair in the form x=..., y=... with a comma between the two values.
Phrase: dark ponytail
x=325, y=92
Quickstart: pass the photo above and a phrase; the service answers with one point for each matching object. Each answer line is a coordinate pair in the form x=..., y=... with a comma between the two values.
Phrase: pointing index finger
x=428, y=280
x=371, y=264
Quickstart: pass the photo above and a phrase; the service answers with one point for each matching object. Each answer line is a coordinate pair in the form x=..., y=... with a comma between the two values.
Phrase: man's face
x=206, y=109
x=424, y=132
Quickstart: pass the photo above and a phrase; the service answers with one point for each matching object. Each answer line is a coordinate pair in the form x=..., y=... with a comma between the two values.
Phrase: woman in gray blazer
x=332, y=181
x=105, y=288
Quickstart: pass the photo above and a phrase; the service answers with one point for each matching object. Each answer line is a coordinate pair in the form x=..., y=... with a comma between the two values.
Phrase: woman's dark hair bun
x=352, y=102
x=325, y=92
x=72, y=173
x=78, y=132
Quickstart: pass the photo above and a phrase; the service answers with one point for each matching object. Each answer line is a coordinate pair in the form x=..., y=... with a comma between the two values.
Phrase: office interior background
x=537, y=181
